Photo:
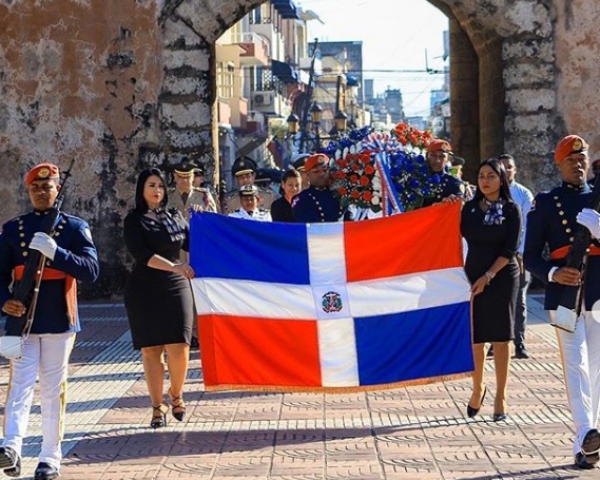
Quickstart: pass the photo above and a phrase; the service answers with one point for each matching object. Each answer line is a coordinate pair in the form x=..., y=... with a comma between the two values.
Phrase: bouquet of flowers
x=373, y=168
x=412, y=178
x=356, y=181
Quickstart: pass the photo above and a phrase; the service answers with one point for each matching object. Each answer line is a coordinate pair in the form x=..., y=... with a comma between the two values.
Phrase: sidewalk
x=412, y=433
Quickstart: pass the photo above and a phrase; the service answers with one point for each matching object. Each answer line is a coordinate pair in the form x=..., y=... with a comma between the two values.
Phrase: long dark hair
x=140, y=203
x=498, y=167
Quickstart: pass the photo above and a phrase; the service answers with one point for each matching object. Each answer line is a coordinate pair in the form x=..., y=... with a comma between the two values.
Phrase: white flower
x=375, y=200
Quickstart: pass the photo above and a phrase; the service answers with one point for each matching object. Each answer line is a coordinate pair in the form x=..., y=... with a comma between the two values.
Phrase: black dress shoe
x=499, y=417
x=582, y=463
x=10, y=462
x=471, y=412
x=490, y=352
x=521, y=352
x=591, y=443
x=45, y=471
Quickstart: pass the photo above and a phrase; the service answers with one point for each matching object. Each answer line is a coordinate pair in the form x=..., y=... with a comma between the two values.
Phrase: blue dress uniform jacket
x=315, y=205
x=449, y=185
x=76, y=256
x=551, y=222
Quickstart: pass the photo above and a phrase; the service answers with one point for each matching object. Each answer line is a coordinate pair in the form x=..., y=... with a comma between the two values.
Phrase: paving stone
x=418, y=432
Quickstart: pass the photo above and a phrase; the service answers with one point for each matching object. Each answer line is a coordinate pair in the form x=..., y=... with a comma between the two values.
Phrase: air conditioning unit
x=262, y=99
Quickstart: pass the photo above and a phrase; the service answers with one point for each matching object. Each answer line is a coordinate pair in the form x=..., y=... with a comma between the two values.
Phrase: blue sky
x=395, y=36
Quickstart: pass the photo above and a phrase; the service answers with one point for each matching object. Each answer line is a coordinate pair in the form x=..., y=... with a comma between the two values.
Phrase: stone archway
x=124, y=85
x=501, y=60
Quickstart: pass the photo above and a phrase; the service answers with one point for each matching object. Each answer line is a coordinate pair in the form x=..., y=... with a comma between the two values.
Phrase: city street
x=413, y=433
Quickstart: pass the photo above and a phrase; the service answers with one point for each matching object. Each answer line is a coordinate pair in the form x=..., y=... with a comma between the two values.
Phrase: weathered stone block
x=528, y=123
x=197, y=59
x=186, y=115
x=524, y=101
x=187, y=139
x=539, y=49
x=520, y=75
x=183, y=86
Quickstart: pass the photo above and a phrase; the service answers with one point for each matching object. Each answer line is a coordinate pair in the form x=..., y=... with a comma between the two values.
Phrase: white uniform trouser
x=581, y=367
x=48, y=354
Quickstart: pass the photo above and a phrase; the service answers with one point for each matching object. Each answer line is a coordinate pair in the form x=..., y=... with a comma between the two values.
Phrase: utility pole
x=309, y=91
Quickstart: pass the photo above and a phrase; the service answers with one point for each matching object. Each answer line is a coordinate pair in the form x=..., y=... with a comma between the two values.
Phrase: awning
x=286, y=9
x=285, y=72
x=351, y=81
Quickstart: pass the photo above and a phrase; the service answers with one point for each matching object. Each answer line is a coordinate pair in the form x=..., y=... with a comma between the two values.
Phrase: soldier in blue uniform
x=551, y=222
x=317, y=203
x=70, y=255
x=438, y=156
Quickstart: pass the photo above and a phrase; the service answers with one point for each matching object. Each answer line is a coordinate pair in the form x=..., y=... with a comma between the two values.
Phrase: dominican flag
x=353, y=306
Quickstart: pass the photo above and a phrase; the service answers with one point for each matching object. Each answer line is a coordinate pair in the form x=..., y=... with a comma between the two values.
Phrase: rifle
x=571, y=300
x=26, y=290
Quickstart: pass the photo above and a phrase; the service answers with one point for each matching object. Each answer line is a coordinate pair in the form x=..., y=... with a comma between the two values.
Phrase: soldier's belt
x=561, y=252
x=48, y=274
x=70, y=287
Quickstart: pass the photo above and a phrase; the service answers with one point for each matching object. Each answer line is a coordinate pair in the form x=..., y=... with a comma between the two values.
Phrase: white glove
x=45, y=244
x=591, y=220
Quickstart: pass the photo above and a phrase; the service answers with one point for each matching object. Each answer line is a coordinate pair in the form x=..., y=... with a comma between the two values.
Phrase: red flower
x=355, y=194
x=342, y=191
x=367, y=196
x=369, y=170
x=354, y=178
x=364, y=181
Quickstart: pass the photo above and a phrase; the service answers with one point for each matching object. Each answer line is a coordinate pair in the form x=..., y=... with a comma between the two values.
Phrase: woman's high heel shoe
x=159, y=415
x=178, y=409
x=500, y=416
x=471, y=412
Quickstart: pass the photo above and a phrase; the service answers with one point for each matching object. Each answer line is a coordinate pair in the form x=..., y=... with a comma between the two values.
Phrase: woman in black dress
x=491, y=225
x=291, y=184
x=158, y=295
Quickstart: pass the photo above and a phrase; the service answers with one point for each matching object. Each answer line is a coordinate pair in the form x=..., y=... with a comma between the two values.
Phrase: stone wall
x=80, y=79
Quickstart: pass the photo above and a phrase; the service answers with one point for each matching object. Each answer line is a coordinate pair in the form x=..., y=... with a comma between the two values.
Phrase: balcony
x=255, y=49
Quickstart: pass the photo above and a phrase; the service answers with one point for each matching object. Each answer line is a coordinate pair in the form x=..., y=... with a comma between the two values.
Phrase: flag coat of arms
x=354, y=305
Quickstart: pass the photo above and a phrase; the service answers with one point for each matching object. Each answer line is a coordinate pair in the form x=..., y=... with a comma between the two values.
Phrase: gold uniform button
x=571, y=239
x=23, y=244
x=564, y=222
x=561, y=213
x=21, y=235
x=25, y=253
x=568, y=230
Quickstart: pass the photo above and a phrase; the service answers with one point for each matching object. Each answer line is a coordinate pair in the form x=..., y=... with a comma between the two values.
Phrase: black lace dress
x=159, y=304
x=494, y=309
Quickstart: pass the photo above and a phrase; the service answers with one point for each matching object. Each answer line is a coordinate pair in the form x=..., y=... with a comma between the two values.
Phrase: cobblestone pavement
x=412, y=433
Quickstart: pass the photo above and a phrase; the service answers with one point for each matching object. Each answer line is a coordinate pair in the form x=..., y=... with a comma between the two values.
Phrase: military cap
x=315, y=160
x=242, y=166
x=457, y=161
x=185, y=168
x=438, y=145
x=298, y=160
x=199, y=170
x=569, y=145
x=248, y=191
x=268, y=175
x=42, y=171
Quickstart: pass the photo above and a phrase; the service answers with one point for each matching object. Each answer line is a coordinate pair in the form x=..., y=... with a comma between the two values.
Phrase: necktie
x=184, y=197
